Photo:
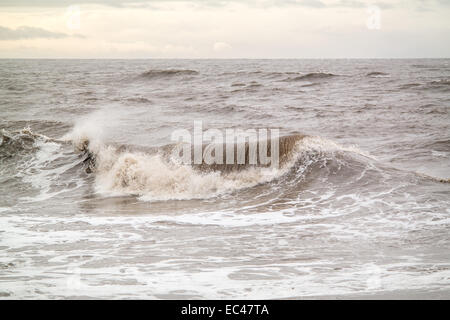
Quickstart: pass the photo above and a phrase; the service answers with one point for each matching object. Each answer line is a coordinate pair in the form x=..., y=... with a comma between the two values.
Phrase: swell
x=439, y=84
x=292, y=75
x=167, y=73
x=312, y=76
x=377, y=74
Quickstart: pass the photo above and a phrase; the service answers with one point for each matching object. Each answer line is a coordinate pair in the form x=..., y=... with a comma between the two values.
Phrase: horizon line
x=125, y=58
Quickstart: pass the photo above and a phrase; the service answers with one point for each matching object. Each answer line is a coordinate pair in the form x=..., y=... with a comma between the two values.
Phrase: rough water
x=361, y=208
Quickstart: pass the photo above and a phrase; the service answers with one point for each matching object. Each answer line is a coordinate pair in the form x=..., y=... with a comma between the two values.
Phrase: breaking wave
x=153, y=174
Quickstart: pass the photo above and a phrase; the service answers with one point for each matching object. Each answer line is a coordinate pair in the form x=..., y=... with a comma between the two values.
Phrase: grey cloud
x=31, y=33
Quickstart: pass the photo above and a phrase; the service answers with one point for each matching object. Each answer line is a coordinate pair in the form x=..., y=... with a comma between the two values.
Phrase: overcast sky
x=225, y=29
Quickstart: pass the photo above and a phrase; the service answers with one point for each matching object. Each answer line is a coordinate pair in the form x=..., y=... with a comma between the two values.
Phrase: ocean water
x=91, y=206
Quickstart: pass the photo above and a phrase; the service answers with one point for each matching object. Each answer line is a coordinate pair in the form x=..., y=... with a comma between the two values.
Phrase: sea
x=92, y=205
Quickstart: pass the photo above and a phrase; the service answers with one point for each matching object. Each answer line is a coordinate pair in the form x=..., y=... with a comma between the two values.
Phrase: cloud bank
x=225, y=29
x=25, y=32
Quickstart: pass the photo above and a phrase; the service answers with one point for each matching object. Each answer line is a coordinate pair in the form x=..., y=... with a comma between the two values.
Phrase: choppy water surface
x=362, y=207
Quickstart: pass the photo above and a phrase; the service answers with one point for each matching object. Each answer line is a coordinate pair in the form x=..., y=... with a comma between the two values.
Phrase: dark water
x=362, y=208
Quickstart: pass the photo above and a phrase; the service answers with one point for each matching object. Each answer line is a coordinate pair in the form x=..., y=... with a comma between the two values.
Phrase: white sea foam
x=39, y=172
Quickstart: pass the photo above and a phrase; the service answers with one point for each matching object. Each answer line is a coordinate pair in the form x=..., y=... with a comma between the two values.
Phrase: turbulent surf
x=95, y=203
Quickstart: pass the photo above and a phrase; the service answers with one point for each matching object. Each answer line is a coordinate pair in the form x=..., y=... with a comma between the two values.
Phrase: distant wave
x=312, y=76
x=139, y=100
x=287, y=75
x=252, y=86
x=429, y=67
x=167, y=73
x=410, y=85
x=377, y=74
x=440, y=83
